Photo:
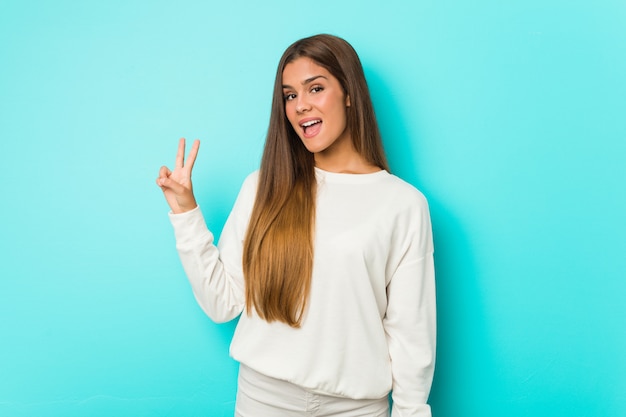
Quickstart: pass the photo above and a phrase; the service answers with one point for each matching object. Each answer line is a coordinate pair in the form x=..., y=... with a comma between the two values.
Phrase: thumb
x=164, y=173
x=168, y=184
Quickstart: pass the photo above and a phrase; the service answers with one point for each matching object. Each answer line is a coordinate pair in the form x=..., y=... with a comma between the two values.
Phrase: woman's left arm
x=410, y=323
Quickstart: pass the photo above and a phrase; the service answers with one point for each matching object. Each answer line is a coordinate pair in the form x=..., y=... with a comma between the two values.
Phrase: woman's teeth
x=311, y=123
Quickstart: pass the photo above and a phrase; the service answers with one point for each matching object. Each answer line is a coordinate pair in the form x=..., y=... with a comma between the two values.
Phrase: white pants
x=261, y=396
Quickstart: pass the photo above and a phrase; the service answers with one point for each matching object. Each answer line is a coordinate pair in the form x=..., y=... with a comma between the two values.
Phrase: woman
x=327, y=257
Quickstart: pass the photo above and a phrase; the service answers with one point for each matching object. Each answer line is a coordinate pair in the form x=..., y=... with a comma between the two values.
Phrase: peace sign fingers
x=191, y=158
x=176, y=184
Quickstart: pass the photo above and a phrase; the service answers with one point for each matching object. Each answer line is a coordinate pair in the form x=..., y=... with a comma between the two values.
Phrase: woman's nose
x=302, y=104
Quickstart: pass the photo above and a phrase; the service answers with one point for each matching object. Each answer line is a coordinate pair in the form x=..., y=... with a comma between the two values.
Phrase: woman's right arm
x=215, y=274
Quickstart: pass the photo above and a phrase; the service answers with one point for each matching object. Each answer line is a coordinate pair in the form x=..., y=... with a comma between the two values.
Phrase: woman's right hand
x=176, y=184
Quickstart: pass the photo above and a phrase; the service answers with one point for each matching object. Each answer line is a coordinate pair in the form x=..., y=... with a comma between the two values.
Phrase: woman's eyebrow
x=307, y=81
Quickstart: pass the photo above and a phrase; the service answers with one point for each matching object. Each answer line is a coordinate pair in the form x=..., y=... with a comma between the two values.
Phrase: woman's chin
x=311, y=146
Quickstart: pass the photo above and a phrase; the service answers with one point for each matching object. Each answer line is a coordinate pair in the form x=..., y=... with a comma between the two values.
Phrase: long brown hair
x=278, y=248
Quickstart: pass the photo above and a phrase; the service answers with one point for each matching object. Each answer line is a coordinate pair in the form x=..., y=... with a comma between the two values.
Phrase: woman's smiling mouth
x=311, y=127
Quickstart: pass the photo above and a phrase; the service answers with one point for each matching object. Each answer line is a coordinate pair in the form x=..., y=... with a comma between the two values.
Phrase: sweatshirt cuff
x=189, y=226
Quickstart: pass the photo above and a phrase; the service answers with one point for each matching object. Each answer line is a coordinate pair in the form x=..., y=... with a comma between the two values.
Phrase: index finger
x=180, y=155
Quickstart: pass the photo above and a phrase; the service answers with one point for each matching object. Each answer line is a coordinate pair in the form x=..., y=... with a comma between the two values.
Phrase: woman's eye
x=289, y=96
x=316, y=89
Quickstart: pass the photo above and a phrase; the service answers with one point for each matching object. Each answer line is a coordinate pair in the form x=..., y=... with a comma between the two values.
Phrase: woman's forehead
x=302, y=71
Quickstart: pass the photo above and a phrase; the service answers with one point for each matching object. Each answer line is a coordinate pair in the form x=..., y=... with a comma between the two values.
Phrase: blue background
x=509, y=116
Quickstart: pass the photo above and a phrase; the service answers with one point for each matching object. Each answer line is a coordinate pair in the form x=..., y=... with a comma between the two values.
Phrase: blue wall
x=510, y=116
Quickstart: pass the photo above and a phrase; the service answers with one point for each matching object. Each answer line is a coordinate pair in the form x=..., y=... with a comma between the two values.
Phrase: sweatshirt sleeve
x=215, y=271
x=410, y=321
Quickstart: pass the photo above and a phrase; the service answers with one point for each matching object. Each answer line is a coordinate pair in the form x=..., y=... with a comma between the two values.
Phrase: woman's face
x=315, y=105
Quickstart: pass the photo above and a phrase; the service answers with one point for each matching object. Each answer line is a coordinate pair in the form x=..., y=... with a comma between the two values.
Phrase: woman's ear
x=347, y=101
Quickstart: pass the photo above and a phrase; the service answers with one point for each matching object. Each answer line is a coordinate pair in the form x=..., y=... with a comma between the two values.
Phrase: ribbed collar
x=340, y=178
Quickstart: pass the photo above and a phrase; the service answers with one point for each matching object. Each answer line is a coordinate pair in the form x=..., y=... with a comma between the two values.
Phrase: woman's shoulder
x=252, y=177
x=400, y=189
x=250, y=182
x=247, y=191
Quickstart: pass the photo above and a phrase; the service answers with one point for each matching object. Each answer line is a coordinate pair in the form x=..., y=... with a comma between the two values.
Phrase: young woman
x=326, y=256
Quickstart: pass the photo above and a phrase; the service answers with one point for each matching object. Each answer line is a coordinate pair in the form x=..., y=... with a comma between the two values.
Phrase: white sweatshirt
x=369, y=326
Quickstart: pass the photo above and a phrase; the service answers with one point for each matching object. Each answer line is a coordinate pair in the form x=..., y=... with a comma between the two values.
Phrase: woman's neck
x=354, y=164
x=343, y=159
